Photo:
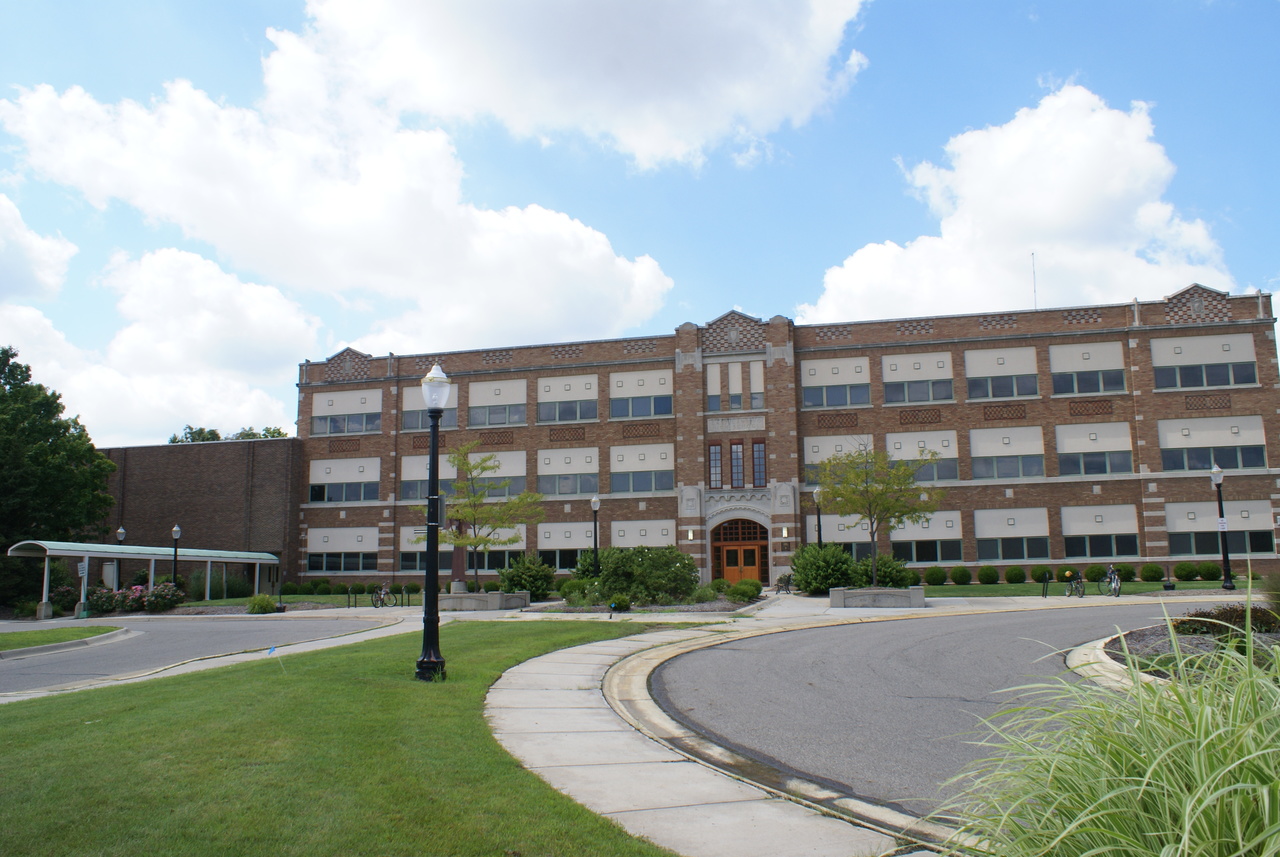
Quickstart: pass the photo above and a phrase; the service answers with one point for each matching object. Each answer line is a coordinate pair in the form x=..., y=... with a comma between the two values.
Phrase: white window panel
x=567, y=388
x=1211, y=431
x=344, y=470
x=1190, y=350
x=1094, y=437
x=929, y=366
x=1086, y=356
x=1000, y=361
x=1083, y=520
x=1011, y=440
x=556, y=462
x=1010, y=523
x=511, y=391
x=347, y=402
x=651, y=382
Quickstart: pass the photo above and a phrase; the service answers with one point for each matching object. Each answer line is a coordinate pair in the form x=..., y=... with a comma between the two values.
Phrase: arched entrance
x=740, y=551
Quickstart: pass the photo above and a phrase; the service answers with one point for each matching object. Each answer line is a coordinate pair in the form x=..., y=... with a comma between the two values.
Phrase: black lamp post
x=817, y=503
x=1215, y=475
x=176, y=532
x=119, y=563
x=435, y=392
x=595, y=533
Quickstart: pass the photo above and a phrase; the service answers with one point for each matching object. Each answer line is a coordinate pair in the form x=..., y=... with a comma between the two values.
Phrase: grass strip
x=10, y=640
x=338, y=752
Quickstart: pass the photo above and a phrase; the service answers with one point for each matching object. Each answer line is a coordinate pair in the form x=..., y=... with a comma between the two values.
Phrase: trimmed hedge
x=1186, y=571
x=1015, y=574
x=1041, y=573
x=820, y=568
x=1151, y=572
x=960, y=576
x=1095, y=572
x=1125, y=572
x=988, y=574
x=1209, y=571
x=935, y=575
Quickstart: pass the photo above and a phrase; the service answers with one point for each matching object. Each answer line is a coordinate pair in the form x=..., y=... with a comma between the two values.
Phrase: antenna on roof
x=1034, y=301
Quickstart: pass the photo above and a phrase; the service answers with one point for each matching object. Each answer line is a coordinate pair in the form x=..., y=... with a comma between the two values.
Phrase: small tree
x=480, y=504
x=879, y=489
x=251, y=433
x=196, y=434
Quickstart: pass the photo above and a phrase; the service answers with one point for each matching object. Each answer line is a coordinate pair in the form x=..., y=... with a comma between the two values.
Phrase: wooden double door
x=740, y=551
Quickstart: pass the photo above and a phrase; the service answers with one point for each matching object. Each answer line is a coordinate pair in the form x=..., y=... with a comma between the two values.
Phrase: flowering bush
x=164, y=597
x=103, y=601
x=64, y=598
x=133, y=599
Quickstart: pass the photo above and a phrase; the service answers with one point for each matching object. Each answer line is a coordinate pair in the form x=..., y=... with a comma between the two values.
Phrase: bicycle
x=1109, y=585
x=1075, y=586
x=383, y=598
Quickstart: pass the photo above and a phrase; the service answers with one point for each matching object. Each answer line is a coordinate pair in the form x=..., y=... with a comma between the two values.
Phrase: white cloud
x=30, y=264
x=200, y=347
x=659, y=81
x=1073, y=181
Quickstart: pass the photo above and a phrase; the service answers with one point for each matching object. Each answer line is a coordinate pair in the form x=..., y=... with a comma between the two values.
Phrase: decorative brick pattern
x=919, y=416
x=997, y=322
x=497, y=438
x=424, y=363
x=347, y=365
x=640, y=346
x=562, y=433
x=633, y=430
x=1196, y=305
x=345, y=444
x=833, y=332
x=1004, y=412
x=1091, y=408
x=491, y=357
x=837, y=420
x=567, y=352
x=1209, y=402
x=733, y=331
x=915, y=327
x=1081, y=316
x=423, y=441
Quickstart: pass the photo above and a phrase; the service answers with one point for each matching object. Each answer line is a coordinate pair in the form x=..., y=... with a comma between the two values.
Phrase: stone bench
x=485, y=601
x=869, y=597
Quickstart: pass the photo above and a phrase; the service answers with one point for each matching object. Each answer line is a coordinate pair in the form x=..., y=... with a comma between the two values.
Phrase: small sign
x=83, y=568
x=1222, y=525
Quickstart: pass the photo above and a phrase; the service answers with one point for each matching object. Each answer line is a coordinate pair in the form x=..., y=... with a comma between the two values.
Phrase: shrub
x=25, y=609
x=1151, y=573
x=890, y=572
x=1186, y=571
x=165, y=596
x=1041, y=573
x=819, y=568
x=340, y=589
x=720, y=585
x=396, y=589
x=491, y=586
x=262, y=603
x=935, y=575
x=64, y=598
x=1209, y=571
x=132, y=600
x=913, y=577
x=741, y=592
x=1066, y=572
x=1124, y=571
x=531, y=574
x=413, y=588
x=307, y=587
x=1015, y=574
x=572, y=587
x=703, y=594
x=620, y=604
x=289, y=588
x=988, y=574
x=357, y=589
x=1228, y=619
x=647, y=575
x=323, y=589
x=1095, y=572
x=960, y=576
x=103, y=601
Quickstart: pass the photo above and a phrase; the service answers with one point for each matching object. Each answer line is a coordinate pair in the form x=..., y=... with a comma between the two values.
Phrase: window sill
x=820, y=408
x=1207, y=389
x=930, y=404
x=1003, y=399
x=1089, y=395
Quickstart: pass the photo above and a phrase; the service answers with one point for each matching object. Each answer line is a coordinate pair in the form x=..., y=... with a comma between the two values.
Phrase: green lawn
x=340, y=752
x=978, y=590
x=10, y=640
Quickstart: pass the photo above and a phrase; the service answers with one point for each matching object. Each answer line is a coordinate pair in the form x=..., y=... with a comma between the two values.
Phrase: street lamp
x=119, y=563
x=176, y=532
x=817, y=502
x=120, y=535
x=435, y=392
x=1215, y=476
x=595, y=532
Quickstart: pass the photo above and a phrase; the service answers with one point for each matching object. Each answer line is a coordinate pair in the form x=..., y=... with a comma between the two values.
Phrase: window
x=1206, y=543
x=943, y=468
x=419, y=421
x=1008, y=467
x=639, y=481
x=343, y=492
x=735, y=463
x=858, y=550
x=811, y=473
x=346, y=424
x=1100, y=381
x=1016, y=547
x=640, y=406
x=1003, y=387
x=494, y=560
x=568, y=483
x=496, y=415
x=1081, y=547
x=562, y=559
x=417, y=560
x=493, y=484
x=734, y=401
x=918, y=391
x=837, y=396
x=1094, y=463
x=758, y=470
x=713, y=466
x=416, y=489
x=340, y=562
x=940, y=550
x=567, y=412
x=1204, y=457
x=1205, y=375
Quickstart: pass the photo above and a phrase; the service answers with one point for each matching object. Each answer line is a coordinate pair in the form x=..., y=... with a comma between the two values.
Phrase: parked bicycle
x=1109, y=585
x=1075, y=586
x=383, y=597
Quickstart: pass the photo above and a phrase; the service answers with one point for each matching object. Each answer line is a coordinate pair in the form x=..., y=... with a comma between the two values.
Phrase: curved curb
x=1091, y=661
x=96, y=640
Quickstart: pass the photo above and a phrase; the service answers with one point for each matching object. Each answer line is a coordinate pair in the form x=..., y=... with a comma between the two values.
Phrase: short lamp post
x=430, y=667
x=176, y=532
x=1215, y=475
x=817, y=504
x=595, y=534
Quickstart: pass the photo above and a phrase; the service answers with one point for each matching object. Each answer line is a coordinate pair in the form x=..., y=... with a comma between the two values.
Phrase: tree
x=196, y=434
x=879, y=489
x=53, y=482
x=250, y=434
x=481, y=516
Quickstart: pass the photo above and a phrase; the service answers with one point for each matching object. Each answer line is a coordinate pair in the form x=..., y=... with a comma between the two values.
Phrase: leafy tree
x=53, y=482
x=481, y=507
x=196, y=434
x=879, y=489
x=250, y=434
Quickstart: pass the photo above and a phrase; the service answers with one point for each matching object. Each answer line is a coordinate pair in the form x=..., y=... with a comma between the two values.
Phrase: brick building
x=1064, y=435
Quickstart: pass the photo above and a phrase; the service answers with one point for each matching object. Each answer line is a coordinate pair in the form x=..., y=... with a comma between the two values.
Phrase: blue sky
x=194, y=198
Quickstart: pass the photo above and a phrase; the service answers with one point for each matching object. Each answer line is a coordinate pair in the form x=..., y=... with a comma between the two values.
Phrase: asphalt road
x=885, y=711
x=161, y=642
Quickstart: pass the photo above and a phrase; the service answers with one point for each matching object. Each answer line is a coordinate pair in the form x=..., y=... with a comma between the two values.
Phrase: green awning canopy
x=42, y=549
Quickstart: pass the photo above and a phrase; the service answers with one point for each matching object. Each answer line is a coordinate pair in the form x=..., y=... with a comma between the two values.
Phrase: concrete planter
x=485, y=601
x=868, y=597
